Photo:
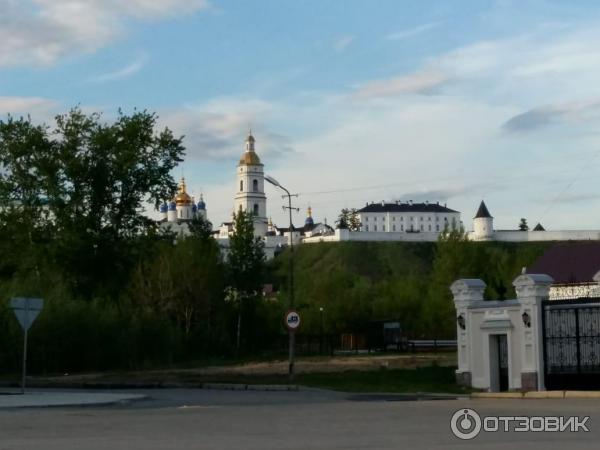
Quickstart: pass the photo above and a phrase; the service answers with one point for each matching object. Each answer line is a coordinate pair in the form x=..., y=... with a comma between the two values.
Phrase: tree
x=523, y=225
x=78, y=191
x=353, y=220
x=349, y=219
x=342, y=220
x=245, y=266
x=455, y=257
x=182, y=281
x=200, y=228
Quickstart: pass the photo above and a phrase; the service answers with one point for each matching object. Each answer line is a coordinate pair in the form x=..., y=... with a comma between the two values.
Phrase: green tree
x=523, y=225
x=245, y=268
x=76, y=193
x=456, y=257
x=354, y=220
x=200, y=228
x=182, y=281
x=349, y=218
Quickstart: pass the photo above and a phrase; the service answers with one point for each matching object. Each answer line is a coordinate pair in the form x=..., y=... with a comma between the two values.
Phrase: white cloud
x=416, y=83
x=14, y=105
x=412, y=32
x=342, y=42
x=39, y=32
x=124, y=72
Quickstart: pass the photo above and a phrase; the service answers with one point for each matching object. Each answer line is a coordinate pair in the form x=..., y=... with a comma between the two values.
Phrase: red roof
x=569, y=263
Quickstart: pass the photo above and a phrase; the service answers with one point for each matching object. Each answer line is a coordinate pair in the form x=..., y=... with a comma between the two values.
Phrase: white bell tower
x=250, y=187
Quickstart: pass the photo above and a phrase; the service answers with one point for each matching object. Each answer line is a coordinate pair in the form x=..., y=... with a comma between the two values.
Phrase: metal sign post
x=26, y=310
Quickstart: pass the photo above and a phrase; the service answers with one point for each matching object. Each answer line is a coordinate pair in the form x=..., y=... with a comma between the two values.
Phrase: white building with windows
x=408, y=217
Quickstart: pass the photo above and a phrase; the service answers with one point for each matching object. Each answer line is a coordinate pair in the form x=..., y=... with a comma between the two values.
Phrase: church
x=249, y=197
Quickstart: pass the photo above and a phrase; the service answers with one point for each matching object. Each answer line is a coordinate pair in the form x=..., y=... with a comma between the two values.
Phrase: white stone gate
x=500, y=342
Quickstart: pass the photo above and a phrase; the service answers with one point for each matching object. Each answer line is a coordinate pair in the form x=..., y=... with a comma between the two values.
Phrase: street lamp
x=292, y=335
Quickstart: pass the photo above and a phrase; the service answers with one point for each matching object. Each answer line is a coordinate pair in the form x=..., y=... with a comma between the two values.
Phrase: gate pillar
x=466, y=292
x=531, y=290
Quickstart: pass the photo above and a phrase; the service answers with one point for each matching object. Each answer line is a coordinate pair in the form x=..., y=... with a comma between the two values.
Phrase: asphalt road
x=303, y=420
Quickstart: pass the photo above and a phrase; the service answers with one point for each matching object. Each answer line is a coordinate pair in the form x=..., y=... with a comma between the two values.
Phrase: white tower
x=250, y=187
x=483, y=224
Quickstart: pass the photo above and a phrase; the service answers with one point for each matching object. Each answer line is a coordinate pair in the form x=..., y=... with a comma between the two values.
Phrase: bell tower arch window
x=255, y=185
x=241, y=185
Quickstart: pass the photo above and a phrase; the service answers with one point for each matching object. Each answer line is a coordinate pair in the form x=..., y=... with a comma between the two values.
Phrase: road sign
x=292, y=320
x=26, y=310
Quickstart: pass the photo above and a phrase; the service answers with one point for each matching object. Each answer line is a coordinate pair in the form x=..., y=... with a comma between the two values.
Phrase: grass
x=426, y=379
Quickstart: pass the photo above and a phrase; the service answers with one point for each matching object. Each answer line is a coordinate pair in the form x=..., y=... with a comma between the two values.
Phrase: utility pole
x=292, y=333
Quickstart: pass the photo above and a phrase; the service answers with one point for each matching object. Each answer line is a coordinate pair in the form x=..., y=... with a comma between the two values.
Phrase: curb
x=250, y=387
x=66, y=400
x=536, y=395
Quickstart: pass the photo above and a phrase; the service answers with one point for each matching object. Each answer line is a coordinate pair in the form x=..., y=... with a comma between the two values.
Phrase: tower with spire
x=483, y=224
x=250, y=187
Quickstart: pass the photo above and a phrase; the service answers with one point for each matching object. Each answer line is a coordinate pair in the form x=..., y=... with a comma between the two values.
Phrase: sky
x=349, y=101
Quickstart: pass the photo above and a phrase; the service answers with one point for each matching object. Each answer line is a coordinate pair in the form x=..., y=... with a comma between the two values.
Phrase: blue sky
x=350, y=101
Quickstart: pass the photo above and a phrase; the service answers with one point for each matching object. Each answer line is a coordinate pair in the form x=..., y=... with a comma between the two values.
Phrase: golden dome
x=182, y=197
x=250, y=158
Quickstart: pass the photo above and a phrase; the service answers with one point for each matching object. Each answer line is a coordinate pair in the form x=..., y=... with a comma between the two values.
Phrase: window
x=437, y=228
x=429, y=219
x=394, y=218
x=393, y=227
x=374, y=227
x=366, y=227
x=429, y=227
x=240, y=208
x=401, y=227
x=421, y=227
x=421, y=218
x=241, y=185
x=401, y=218
x=255, y=185
x=375, y=218
x=437, y=219
x=383, y=228
x=366, y=220
x=412, y=218
x=256, y=209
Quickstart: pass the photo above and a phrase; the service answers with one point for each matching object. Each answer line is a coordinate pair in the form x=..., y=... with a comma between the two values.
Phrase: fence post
x=532, y=290
x=466, y=292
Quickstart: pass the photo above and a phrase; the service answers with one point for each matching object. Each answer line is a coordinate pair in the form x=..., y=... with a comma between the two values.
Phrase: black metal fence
x=571, y=333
